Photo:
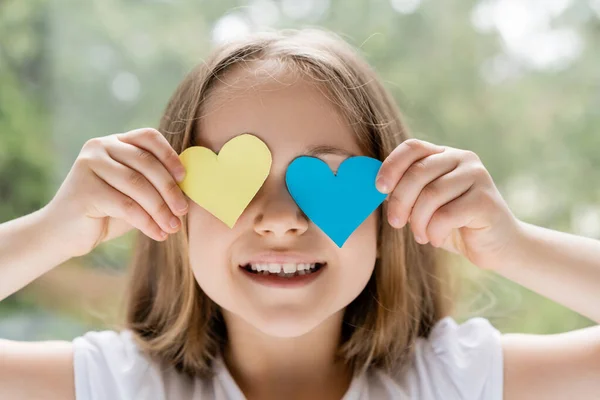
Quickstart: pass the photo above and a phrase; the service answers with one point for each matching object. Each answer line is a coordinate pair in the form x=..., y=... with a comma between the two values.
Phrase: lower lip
x=273, y=280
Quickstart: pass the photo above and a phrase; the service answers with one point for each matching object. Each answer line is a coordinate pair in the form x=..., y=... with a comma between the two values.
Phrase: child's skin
x=282, y=341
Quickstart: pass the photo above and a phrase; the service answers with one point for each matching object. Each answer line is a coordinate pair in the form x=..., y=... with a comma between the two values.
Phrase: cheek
x=363, y=241
x=209, y=253
x=357, y=258
x=209, y=242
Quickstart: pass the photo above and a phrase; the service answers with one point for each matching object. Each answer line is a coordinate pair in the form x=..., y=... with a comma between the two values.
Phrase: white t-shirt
x=457, y=361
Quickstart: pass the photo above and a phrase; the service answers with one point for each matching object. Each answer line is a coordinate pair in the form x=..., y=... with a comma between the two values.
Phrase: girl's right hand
x=119, y=182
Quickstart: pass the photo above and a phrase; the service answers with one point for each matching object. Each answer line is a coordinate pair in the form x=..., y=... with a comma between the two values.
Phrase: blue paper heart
x=337, y=204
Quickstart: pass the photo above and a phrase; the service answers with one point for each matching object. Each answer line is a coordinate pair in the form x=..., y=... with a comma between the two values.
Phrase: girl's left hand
x=450, y=200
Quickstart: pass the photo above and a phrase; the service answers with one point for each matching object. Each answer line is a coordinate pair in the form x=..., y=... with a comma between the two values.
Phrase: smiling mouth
x=279, y=269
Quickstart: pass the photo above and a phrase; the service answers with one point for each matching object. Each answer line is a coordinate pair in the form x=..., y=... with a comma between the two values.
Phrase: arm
x=87, y=209
x=450, y=200
x=566, y=269
x=29, y=247
x=36, y=370
x=561, y=266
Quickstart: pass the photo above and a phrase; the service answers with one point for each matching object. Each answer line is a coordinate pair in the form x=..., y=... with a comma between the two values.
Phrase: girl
x=373, y=322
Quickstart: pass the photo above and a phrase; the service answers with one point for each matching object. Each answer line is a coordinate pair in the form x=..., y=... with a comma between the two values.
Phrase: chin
x=285, y=323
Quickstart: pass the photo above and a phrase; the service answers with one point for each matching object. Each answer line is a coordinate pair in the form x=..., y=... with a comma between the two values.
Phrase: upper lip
x=274, y=257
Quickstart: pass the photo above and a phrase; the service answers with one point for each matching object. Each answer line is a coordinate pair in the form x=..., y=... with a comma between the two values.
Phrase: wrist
x=517, y=249
x=50, y=231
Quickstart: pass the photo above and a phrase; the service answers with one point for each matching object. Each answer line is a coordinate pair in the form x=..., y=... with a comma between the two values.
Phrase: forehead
x=282, y=107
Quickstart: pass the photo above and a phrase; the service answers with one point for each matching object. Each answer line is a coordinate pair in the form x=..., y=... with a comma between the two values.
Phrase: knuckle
x=388, y=162
x=415, y=170
x=441, y=213
x=414, y=143
x=396, y=205
x=394, y=199
x=480, y=172
x=84, y=159
x=431, y=191
x=87, y=157
x=90, y=151
x=93, y=143
x=420, y=166
x=129, y=205
x=136, y=179
x=172, y=187
x=172, y=157
x=163, y=208
x=470, y=155
x=143, y=154
x=153, y=133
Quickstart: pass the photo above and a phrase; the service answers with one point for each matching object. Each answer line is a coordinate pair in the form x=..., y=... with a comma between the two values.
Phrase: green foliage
x=64, y=64
x=25, y=162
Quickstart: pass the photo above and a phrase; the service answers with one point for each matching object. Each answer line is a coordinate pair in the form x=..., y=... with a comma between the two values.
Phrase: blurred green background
x=516, y=81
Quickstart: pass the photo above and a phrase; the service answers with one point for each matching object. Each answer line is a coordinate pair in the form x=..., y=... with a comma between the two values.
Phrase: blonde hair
x=176, y=323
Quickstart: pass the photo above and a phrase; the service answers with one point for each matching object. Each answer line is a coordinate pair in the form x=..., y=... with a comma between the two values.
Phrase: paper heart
x=337, y=204
x=224, y=184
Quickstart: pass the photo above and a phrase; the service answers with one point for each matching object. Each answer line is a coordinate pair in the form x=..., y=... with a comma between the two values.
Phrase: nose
x=279, y=216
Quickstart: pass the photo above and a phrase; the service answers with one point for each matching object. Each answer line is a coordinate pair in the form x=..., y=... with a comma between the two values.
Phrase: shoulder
x=110, y=346
x=467, y=343
x=109, y=365
x=456, y=361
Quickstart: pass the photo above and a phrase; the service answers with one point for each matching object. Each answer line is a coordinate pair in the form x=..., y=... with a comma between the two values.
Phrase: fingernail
x=381, y=185
x=180, y=174
x=419, y=239
x=181, y=205
x=174, y=222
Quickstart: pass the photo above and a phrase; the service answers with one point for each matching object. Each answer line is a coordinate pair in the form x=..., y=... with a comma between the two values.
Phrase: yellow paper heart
x=224, y=184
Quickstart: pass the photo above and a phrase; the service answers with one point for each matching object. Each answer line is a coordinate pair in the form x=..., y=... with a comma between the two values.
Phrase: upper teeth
x=288, y=268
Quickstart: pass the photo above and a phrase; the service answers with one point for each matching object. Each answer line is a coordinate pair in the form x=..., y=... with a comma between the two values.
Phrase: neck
x=300, y=367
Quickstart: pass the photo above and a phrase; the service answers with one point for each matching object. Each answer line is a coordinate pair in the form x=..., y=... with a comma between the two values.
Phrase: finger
x=149, y=166
x=154, y=142
x=453, y=215
x=135, y=185
x=416, y=177
x=441, y=191
x=400, y=159
x=120, y=206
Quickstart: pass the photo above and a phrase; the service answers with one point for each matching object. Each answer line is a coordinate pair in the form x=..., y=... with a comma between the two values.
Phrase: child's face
x=291, y=117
